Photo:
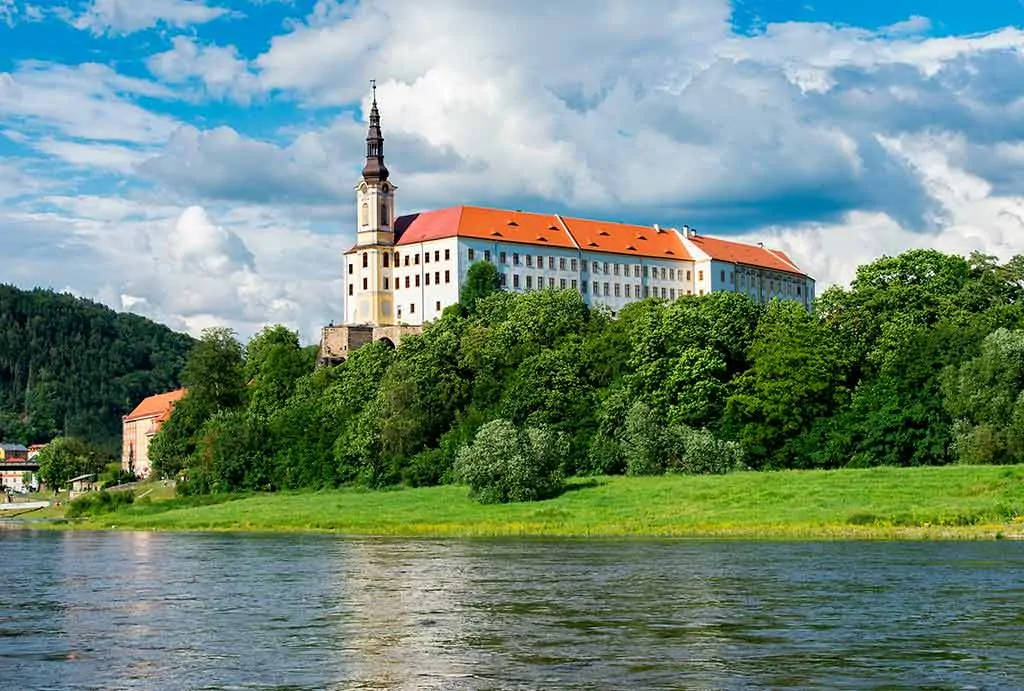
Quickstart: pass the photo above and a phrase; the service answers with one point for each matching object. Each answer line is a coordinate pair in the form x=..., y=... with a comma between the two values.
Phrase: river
x=133, y=610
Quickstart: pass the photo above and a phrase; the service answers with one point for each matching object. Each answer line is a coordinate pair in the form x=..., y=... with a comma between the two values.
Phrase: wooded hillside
x=70, y=366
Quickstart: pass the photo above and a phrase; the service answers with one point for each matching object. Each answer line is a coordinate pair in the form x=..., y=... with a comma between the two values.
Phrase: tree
x=482, y=279
x=67, y=457
x=214, y=374
x=274, y=362
x=504, y=464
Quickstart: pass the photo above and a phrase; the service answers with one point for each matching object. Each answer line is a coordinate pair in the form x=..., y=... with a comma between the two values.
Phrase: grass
x=882, y=503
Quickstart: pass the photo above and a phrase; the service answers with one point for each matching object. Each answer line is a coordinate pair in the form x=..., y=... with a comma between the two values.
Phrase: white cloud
x=221, y=71
x=128, y=16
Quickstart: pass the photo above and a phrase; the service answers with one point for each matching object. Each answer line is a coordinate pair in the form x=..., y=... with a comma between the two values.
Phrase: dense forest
x=920, y=361
x=73, y=367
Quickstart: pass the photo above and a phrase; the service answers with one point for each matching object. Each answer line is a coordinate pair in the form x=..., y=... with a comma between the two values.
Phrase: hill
x=72, y=366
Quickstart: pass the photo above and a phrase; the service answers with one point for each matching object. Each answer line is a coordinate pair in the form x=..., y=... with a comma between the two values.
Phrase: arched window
x=366, y=260
x=364, y=214
x=383, y=214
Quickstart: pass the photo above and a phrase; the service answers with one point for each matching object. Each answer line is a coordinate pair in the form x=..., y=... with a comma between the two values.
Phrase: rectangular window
x=540, y=261
x=574, y=284
x=364, y=284
x=487, y=255
x=515, y=280
x=606, y=293
x=627, y=290
x=561, y=283
x=426, y=257
x=797, y=291
x=387, y=258
x=407, y=279
x=636, y=290
x=663, y=272
x=561, y=263
x=417, y=280
x=437, y=255
x=671, y=274
x=502, y=279
x=663, y=293
x=515, y=259
x=426, y=278
x=645, y=272
x=593, y=268
x=672, y=293
x=386, y=281
x=349, y=288
x=412, y=308
x=573, y=266
x=447, y=255
x=529, y=260
x=722, y=276
x=583, y=288
x=416, y=259
x=529, y=282
x=700, y=277
x=551, y=262
x=618, y=290
x=605, y=267
x=437, y=278
x=551, y=283
x=616, y=269
x=597, y=289
x=447, y=276
x=437, y=306
x=470, y=253
x=687, y=275
x=407, y=260
x=350, y=269
x=501, y=257
x=636, y=271
x=730, y=277
x=647, y=292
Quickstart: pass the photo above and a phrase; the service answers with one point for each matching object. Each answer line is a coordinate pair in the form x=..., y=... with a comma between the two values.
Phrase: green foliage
x=482, y=279
x=506, y=464
x=72, y=367
x=98, y=503
x=215, y=371
x=67, y=457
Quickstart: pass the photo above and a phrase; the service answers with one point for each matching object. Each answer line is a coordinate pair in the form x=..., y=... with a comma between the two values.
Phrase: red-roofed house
x=404, y=271
x=139, y=426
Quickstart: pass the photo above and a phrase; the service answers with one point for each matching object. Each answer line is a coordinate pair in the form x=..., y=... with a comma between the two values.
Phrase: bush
x=96, y=503
x=504, y=464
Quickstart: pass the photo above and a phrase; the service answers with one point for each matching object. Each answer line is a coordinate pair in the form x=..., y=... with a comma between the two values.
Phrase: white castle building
x=404, y=271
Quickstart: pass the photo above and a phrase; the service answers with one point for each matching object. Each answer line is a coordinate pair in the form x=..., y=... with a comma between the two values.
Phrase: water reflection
x=154, y=611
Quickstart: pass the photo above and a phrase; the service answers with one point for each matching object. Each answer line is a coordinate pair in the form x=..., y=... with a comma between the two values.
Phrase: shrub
x=96, y=503
x=505, y=464
x=699, y=452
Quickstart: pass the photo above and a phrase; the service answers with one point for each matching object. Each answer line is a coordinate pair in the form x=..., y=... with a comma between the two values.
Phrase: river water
x=186, y=611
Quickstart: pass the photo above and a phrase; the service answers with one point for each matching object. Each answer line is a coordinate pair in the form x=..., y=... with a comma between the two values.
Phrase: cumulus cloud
x=219, y=69
x=128, y=16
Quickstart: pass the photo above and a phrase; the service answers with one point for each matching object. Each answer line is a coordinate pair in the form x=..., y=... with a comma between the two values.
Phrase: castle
x=403, y=272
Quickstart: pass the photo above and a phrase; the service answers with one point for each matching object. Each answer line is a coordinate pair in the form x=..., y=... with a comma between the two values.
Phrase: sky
x=193, y=161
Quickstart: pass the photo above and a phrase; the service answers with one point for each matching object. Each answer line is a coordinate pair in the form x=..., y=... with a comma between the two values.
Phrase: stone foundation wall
x=338, y=342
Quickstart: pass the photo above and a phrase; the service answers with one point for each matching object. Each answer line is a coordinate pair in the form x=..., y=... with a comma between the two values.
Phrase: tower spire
x=374, y=170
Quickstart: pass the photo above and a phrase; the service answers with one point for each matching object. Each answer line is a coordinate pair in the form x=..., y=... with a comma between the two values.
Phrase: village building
x=138, y=428
x=404, y=271
x=17, y=472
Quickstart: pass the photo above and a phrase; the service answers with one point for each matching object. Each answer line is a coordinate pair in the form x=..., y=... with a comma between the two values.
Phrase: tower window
x=350, y=267
x=364, y=214
x=396, y=258
x=383, y=214
x=387, y=258
x=366, y=260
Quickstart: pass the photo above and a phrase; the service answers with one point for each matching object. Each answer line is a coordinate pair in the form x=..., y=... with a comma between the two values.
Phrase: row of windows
x=607, y=268
x=397, y=256
x=415, y=283
x=412, y=308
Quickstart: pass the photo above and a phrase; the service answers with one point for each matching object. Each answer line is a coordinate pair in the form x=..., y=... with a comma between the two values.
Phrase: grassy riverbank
x=939, y=502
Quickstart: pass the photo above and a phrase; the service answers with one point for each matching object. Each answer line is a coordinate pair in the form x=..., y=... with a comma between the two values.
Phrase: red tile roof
x=741, y=253
x=158, y=406
x=550, y=230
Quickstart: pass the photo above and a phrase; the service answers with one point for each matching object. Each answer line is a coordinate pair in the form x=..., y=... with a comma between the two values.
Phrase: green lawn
x=942, y=502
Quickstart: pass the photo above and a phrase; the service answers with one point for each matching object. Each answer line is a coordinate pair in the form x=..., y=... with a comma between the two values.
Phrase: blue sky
x=193, y=160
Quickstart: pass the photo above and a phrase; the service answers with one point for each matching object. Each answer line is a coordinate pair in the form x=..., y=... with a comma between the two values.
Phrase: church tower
x=370, y=262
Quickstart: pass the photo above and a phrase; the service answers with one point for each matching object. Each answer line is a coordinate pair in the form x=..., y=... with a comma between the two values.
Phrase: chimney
x=688, y=232
x=657, y=228
x=761, y=245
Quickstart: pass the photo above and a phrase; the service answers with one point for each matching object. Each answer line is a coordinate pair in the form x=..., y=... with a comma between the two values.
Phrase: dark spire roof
x=374, y=170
